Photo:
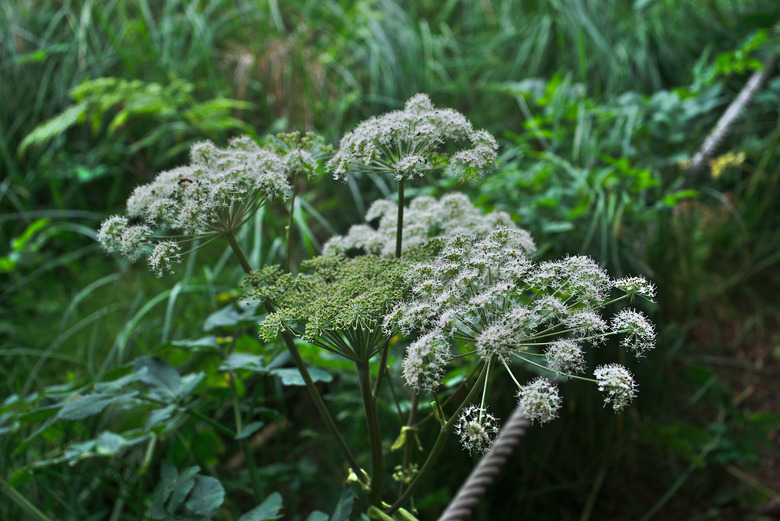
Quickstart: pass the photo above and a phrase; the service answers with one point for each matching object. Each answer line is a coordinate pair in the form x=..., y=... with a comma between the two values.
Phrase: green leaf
x=232, y=315
x=267, y=511
x=197, y=343
x=90, y=405
x=20, y=242
x=205, y=497
x=162, y=379
x=159, y=416
x=19, y=477
x=189, y=383
x=291, y=376
x=182, y=489
x=250, y=429
x=168, y=477
x=243, y=361
x=317, y=516
x=344, y=506
x=671, y=199
x=109, y=444
x=54, y=127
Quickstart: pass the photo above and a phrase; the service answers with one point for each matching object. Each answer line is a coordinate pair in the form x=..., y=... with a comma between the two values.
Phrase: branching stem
x=439, y=445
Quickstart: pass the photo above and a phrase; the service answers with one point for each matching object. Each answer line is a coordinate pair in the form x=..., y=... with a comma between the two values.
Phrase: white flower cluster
x=618, y=383
x=489, y=292
x=477, y=429
x=215, y=194
x=540, y=400
x=412, y=142
x=424, y=219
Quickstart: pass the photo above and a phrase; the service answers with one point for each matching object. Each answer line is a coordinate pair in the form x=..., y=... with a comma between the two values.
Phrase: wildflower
x=635, y=286
x=618, y=383
x=425, y=219
x=163, y=256
x=412, y=142
x=587, y=324
x=638, y=330
x=486, y=290
x=540, y=400
x=476, y=428
x=333, y=302
x=426, y=357
x=496, y=339
x=212, y=196
x=565, y=356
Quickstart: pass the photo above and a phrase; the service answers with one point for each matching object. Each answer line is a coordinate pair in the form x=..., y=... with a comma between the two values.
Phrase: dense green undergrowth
x=596, y=107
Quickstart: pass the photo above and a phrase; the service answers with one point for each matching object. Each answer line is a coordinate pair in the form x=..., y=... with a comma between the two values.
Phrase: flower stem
x=400, y=227
x=439, y=445
x=290, y=224
x=374, y=433
x=320, y=404
x=382, y=368
x=238, y=252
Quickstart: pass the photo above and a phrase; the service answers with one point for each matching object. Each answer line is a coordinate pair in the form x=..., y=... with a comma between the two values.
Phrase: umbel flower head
x=488, y=292
x=414, y=141
x=333, y=302
x=214, y=195
x=425, y=219
x=477, y=429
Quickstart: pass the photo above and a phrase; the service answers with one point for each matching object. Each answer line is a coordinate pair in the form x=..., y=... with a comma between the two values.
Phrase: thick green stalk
x=374, y=432
x=399, y=233
x=382, y=368
x=439, y=445
x=290, y=224
x=238, y=252
x=320, y=404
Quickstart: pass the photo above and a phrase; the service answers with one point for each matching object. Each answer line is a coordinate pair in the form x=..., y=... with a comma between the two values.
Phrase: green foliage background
x=595, y=103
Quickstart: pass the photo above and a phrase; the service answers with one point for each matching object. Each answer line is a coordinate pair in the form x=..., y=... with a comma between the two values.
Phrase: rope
x=488, y=468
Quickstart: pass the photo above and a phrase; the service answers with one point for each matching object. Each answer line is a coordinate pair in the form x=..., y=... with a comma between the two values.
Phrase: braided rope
x=488, y=468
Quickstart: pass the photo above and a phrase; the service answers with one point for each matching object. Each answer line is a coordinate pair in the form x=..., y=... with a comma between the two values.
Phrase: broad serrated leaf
x=344, y=506
x=114, y=386
x=317, y=516
x=168, y=477
x=250, y=429
x=267, y=511
x=197, y=343
x=291, y=376
x=243, y=361
x=189, y=383
x=233, y=315
x=159, y=416
x=205, y=497
x=109, y=443
x=161, y=379
x=54, y=127
x=181, y=490
x=85, y=406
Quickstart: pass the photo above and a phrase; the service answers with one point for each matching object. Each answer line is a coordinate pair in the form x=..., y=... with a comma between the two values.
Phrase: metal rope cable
x=487, y=469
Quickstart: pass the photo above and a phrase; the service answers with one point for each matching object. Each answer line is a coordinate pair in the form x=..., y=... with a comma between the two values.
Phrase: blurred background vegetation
x=597, y=105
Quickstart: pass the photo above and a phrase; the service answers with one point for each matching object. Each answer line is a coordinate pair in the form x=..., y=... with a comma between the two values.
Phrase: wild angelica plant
x=488, y=293
x=211, y=197
x=413, y=142
x=460, y=279
x=424, y=220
